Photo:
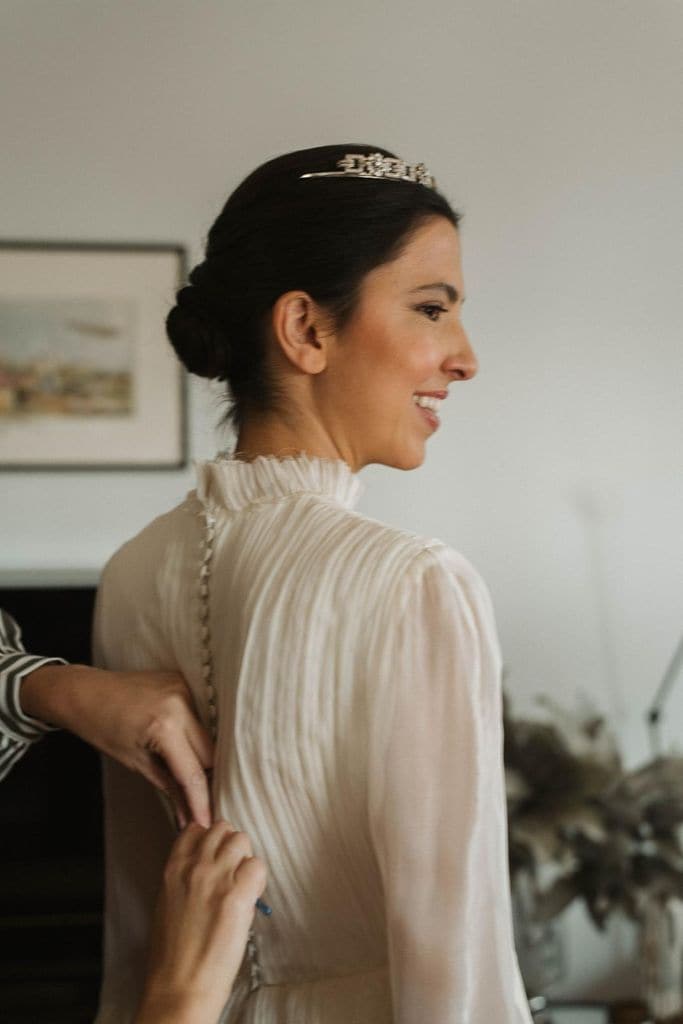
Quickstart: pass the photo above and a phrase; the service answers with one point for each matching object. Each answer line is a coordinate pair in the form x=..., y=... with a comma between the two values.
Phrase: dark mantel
x=50, y=820
x=53, y=578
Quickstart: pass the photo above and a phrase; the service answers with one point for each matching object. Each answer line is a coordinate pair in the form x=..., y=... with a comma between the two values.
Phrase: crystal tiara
x=379, y=167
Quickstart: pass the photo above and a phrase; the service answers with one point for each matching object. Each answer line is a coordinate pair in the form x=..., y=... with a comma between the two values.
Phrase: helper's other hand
x=204, y=912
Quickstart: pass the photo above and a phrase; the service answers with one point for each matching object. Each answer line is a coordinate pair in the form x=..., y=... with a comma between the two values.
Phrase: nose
x=461, y=362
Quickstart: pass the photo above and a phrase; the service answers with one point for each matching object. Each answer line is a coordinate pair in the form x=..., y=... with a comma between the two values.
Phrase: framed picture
x=88, y=379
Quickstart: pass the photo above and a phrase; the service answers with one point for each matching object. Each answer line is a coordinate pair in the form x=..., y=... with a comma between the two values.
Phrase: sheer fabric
x=359, y=745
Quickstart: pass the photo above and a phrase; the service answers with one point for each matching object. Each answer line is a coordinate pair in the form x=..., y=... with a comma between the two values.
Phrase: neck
x=272, y=436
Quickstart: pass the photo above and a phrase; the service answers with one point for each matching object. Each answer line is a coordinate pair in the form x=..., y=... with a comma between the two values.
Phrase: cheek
x=388, y=355
x=419, y=358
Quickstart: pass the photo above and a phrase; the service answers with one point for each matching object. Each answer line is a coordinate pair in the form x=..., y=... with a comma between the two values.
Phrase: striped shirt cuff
x=16, y=727
x=14, y=722
x=10, y=752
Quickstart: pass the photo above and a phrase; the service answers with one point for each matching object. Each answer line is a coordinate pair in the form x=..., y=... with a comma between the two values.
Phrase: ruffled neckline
x=235, y=484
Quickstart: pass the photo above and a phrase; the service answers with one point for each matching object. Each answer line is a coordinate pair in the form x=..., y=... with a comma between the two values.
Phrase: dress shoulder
x=146, y=551
x=404, y=561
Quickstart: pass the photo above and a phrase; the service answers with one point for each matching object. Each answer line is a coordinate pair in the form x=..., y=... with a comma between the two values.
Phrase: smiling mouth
x=428, y=402
x=428, y=406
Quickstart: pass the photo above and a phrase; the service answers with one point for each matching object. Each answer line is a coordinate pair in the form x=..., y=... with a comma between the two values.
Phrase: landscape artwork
x=88, y=379
x=66, y=358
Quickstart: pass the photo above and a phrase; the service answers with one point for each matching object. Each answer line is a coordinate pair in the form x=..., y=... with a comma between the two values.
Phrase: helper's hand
x=202, y=921
x=145, y=720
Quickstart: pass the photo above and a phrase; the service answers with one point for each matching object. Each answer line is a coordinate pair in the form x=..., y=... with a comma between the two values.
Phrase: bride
x=349, y=671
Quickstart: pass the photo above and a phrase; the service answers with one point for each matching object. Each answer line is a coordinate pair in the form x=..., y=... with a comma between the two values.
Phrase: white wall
x=556, y=127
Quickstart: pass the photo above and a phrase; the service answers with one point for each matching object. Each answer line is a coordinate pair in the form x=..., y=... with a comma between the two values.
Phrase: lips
x=428, y=404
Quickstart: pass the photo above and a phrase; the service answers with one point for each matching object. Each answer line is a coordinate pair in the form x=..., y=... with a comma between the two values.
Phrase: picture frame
x=88, y=379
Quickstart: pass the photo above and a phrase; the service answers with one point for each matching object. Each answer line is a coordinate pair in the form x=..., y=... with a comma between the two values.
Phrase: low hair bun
x=199, y=340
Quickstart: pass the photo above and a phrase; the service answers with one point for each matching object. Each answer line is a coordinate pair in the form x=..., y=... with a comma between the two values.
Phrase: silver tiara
x=382, y=168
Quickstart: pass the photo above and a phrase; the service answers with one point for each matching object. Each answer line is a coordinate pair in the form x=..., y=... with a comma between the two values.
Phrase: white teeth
x=427, y=402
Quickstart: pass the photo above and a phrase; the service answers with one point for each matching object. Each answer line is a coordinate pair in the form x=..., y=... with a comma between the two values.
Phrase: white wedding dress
x=359, y=745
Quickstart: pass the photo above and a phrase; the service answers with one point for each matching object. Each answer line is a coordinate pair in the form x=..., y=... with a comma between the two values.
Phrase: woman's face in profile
x=393, y=364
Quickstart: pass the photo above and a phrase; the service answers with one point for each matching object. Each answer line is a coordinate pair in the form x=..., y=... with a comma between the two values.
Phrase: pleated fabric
x=358, y=744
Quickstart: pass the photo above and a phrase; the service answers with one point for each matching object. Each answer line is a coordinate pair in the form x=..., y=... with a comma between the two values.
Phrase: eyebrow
x=451, y=292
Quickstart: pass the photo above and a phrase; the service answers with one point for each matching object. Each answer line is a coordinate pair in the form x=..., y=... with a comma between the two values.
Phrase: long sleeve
x=17, y=729
x=437, y=806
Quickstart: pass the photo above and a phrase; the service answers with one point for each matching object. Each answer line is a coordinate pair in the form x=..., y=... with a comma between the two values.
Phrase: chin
x=407, y=459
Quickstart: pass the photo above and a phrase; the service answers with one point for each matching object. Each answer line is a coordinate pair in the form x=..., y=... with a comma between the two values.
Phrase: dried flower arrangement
x=583, y=826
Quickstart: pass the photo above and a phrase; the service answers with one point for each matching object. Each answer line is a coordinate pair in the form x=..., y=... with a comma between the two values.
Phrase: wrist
x=49, y=693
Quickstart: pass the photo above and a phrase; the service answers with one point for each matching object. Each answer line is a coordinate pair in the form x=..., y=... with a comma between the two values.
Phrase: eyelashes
x=432, y=310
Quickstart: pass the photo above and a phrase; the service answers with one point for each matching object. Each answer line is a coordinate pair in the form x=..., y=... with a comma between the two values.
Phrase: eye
x=432, y=310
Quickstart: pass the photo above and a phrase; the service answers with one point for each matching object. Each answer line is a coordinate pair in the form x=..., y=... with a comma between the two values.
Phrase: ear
x=298, y=324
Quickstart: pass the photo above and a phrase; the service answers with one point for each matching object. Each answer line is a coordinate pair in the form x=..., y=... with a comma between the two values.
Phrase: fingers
x=198, y=796
x=231, y=851
x=226, y=853
x=204, y=912
x=200, y=741
x=188, y=844
x=194, y=783
x=153, y=768
x=234, y=859
x=250, y=875
x=226, y=849
x=214, y=836
x=186, y=764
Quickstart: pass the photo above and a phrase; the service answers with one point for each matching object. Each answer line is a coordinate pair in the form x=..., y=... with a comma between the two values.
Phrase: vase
x=661, y=958
x=539, y=948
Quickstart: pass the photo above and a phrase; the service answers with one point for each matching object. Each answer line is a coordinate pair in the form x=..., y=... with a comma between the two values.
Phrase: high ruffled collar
x=235, y=484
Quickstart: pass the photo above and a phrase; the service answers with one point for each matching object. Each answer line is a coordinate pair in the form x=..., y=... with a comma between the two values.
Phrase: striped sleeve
x=17, y=729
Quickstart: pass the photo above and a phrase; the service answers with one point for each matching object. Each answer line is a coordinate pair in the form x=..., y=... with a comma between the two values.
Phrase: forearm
x=162, y=1007
x=54, y=694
